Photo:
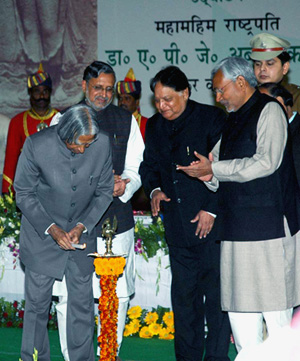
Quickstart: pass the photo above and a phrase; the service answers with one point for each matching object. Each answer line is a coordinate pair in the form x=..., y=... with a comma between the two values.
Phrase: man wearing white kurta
x=252, y=166
x=127, y=148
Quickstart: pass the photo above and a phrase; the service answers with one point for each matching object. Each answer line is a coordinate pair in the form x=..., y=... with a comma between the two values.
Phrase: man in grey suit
x=64, y=183
x=258, y=214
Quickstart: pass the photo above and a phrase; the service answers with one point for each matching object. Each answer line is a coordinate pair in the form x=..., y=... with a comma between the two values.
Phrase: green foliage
x=12, y=314
x=10, y=218
x=149, y=239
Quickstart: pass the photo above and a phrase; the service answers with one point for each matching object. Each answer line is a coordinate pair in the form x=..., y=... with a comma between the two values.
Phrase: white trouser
x=247, y=327
x=61, y=311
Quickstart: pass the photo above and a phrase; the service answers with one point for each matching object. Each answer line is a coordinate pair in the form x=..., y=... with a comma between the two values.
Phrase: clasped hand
x=65, y=239
x=120, y=185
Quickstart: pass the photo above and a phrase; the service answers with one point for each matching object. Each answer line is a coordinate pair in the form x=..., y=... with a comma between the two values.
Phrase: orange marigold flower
x=151, y=317
x=134, y=312
x=109, y=266
x=145, y=333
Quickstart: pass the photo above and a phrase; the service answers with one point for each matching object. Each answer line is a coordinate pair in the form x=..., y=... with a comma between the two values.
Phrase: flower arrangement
x=109, y=269
x=149, y=239
x=10, y=222
x=157, y=323
x=12, y=314
x=160, y=319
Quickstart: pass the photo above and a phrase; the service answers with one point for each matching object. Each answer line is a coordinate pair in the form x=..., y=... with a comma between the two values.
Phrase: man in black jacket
x=172, y=135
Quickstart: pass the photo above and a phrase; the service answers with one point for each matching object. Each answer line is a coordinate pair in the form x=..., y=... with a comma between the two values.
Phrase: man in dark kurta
x=172, y=135
x=253, y=166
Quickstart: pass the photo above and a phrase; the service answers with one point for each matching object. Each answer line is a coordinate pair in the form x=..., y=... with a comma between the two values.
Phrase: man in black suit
x=180, y=127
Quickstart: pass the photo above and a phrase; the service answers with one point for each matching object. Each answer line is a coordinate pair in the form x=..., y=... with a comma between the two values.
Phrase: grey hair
x=78, y=120
x=233, y=67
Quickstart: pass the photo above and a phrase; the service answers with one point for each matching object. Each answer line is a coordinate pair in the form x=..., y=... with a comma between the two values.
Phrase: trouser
x=79, y=320
x=61, y=309
x=247, y=327
x=195, y=277
x=123, y=243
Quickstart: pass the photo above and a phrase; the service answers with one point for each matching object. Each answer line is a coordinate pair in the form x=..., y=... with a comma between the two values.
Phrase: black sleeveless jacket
x=254, y=210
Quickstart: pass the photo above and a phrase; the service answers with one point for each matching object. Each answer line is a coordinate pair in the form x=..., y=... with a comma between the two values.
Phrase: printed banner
x=191, y=34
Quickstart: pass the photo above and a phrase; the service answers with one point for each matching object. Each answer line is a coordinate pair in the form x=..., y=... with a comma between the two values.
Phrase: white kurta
x=263, y=275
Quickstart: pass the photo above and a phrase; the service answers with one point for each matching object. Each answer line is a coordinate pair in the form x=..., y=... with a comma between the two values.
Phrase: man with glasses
x=64, y=183
x=127, y=153
x=252, y=165
x=189, y=212
x=28, y=122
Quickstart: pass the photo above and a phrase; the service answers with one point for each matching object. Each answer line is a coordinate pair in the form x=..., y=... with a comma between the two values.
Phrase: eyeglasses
x=221, y=90
x=100, y=89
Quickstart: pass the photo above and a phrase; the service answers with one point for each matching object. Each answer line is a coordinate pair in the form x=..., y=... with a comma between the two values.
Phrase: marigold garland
x=109, y=269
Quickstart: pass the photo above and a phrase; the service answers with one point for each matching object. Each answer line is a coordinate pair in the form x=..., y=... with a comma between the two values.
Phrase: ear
x=84, y=85
x=185, y=93
x=241, y=82
x=286, y=67
x=137, y=102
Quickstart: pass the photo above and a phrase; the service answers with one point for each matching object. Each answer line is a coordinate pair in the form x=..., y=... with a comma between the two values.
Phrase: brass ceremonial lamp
x=109, y=267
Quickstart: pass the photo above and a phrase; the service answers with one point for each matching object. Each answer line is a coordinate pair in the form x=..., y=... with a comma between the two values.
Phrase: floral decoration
x=10, y=222
x=12, y=314
x=150, y=241
x=150, y=238
x=157, y=323
x=109, y=269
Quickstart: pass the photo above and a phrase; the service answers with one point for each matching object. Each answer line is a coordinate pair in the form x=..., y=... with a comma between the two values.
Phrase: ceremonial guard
x=28, y=122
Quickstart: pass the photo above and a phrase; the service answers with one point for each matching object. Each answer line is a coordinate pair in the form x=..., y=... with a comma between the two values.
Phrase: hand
x=200, y=169
x=208, y=178
x=205, y=223
x=61, y=237
x=76, y=232
x=157, y=197
x=120, y=185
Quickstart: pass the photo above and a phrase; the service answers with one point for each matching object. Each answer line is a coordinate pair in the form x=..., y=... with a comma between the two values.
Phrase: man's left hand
x=120, y=185
x=76, y=232
x=205, y=223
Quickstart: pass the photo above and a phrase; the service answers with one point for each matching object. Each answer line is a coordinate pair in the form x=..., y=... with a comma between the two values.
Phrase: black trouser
x=195, y=274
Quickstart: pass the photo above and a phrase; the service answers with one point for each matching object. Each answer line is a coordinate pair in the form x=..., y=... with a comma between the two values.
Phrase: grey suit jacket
x=55, y=185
